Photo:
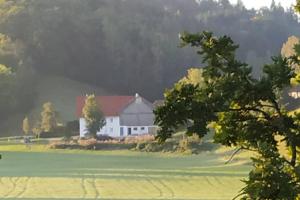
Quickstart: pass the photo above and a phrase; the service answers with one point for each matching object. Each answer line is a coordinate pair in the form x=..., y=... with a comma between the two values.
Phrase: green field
x=68, y=174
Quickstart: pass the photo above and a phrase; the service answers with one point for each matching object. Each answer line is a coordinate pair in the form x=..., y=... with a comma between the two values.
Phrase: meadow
x=41, y=173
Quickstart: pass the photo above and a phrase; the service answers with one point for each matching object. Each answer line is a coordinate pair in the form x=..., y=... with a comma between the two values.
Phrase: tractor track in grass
x=218, y=181
x=167, y=187
x=83, y=186
x=27, y=180
x=209, y=182
x=14, y=186
x=156, y=187
x=93, y=183
x=1, y=181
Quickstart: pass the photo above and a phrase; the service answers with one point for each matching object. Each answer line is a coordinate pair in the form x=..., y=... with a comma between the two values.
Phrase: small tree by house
x=26, y=126
x=48, y=122
x=93, y=116
x=36, y=130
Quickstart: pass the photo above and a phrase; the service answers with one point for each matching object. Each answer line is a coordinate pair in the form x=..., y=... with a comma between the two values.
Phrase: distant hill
x=60, y=91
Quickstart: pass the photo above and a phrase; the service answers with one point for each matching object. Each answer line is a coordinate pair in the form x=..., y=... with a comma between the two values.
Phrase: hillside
x=62, y=92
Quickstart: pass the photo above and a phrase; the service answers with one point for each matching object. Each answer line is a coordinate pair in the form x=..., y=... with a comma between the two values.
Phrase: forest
x=123, y=46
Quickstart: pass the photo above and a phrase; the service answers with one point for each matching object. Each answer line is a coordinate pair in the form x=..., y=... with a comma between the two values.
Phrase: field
x=39, y=173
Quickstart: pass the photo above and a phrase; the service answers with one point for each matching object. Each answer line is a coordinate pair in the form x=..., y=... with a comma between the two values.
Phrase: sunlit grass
x=42, y=173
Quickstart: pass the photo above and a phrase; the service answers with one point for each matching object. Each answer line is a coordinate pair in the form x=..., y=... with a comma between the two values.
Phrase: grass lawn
x=40, y=173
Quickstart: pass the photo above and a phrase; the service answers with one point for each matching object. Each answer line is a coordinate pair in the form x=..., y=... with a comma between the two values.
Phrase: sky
x=261, y=3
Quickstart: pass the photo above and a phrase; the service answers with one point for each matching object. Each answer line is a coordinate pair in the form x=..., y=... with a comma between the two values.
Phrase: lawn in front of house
x=41, y=173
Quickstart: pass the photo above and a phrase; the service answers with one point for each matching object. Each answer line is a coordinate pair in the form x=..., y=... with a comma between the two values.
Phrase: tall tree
x=49, y=121
x=93, y=116
x=245, y=112
x=26, y=126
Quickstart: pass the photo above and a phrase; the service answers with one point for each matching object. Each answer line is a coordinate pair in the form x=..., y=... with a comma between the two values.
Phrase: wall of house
x=295, y=95
x=135, y=130
x=82, y=127
x=139, y=113
x=112, y=127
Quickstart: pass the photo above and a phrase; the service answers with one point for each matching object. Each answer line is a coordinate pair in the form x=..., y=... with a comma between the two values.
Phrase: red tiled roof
x=109, y=105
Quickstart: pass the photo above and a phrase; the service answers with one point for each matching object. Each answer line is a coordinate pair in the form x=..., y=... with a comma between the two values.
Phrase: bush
x=187, y=145
x=88, y=142
x=139, y=139
x=103, y=138
x=71, y=129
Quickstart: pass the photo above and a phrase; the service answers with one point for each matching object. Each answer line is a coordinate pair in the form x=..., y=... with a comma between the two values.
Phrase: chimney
x=138, y=99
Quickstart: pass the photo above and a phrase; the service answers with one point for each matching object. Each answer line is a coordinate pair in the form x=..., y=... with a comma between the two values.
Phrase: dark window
x=142, y=128
x=135, y=128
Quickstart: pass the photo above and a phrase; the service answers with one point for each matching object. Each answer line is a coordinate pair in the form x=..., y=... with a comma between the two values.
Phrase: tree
x=93, y=115
x=26, y=126
x=48, y=122
x=36, y=130
x=244, y=112
x=7, y=91
x=297, y=7
x=194, y=76
x=289, y=49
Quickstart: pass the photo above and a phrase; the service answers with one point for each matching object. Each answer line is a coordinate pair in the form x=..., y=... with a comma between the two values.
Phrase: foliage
x=194, y=77
x=36, y=130
x=93, y=116
x=288, y=50
x=270, y=177
x=244, y=111
x=297, y=7
x=49, y=119
x=7, y=91
x=17, y=84
x=26, y=126
x=37, y=31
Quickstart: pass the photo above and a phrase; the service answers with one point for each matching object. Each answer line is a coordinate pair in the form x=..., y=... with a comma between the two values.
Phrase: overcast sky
x=261, y=3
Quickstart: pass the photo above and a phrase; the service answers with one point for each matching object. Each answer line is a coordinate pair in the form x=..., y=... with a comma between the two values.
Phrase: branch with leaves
x=245, y=112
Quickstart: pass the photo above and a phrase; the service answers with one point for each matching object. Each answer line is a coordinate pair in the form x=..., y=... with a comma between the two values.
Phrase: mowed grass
x=40, y=173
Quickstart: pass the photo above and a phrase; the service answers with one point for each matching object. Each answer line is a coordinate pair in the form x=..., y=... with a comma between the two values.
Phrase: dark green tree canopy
x=244, y=111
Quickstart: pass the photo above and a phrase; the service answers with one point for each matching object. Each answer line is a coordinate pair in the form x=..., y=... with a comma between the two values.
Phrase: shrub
x=139, y=139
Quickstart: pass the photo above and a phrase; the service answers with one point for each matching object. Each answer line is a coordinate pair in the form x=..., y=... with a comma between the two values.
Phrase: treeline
x=127, y=46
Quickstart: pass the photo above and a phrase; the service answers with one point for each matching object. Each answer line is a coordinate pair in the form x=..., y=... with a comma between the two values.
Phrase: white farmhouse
x=124, y=115
x=295, y=92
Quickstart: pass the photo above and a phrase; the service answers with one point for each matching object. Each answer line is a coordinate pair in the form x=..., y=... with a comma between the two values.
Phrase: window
x=142, y=128
x=111, y=120
x=121, y=131
x=111, y=130
x=135, y=128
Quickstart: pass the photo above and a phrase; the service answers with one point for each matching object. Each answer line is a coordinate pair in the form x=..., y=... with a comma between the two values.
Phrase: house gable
x=138, y=113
